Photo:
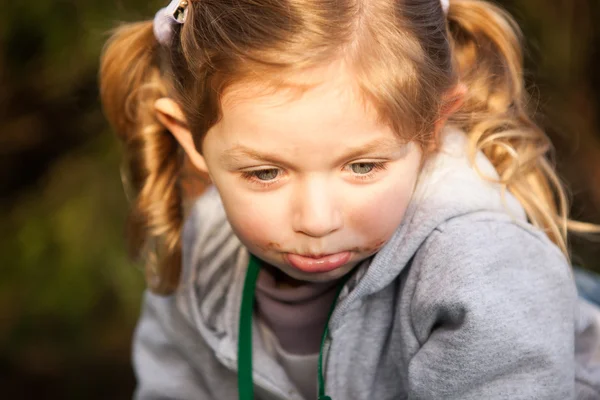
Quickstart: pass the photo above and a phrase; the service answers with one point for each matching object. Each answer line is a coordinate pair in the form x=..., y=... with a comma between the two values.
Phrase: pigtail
x=486, y=44
x=130, y=83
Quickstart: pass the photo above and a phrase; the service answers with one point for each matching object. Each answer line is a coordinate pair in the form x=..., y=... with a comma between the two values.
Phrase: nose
x=316, y=210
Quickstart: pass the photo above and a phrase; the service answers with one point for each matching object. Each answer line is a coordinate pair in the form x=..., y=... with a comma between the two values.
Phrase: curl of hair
x=130, y=83
x=487, y=47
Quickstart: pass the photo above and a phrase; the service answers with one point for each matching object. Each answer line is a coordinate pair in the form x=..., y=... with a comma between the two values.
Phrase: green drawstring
x=245, y=384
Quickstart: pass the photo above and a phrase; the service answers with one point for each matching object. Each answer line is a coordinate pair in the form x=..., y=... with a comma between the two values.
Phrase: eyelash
x=252, y=176
x=377, y=167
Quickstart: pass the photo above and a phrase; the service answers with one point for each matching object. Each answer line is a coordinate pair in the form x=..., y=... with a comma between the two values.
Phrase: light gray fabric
x=288, y=310
x=466, y=301
x=292, y=314
x=300, y=368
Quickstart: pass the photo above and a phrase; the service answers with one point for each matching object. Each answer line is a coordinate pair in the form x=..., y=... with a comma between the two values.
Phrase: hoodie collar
x=449, y=186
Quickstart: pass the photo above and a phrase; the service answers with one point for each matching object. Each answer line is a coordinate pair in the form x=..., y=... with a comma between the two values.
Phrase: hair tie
x=445, y=6
x=166, y=19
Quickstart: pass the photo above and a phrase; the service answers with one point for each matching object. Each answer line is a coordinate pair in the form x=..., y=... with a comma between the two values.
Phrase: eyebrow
x=239, y=152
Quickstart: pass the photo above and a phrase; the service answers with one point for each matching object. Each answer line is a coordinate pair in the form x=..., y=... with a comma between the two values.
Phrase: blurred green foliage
x=69, y=297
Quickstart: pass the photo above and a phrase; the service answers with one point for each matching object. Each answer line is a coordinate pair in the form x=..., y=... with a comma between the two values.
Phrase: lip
x=320, y=263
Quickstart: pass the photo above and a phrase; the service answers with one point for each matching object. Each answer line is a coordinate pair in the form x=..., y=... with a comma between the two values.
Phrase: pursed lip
x=315, y=255
x=318, y=262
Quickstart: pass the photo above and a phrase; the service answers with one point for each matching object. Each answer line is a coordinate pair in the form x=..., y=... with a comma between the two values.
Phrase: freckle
x=274, y=245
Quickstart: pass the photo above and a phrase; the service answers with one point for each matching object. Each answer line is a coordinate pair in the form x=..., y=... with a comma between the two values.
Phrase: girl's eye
x=362, y=168
x=365, y=170
x=262, y=175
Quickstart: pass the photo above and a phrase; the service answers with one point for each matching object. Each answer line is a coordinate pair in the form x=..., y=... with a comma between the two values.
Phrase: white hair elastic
x=167, y=18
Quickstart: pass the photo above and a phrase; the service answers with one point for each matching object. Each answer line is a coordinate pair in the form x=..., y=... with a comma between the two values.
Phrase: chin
x=316, y=277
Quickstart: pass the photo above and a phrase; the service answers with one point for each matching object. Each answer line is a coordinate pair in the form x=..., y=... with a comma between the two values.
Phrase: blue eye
x=366, y=170
x=362, y=168
x=266, y=174
x=262, y=175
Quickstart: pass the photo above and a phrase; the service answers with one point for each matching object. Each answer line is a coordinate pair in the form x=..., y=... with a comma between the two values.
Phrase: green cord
x=321, y=378
x=245, y=385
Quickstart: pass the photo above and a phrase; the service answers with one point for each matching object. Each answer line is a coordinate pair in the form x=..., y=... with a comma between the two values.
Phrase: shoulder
x=212, y=262
x=493, y=310
x=493, y=242
x=489, y=267
x=206, y=220
x=207, y=238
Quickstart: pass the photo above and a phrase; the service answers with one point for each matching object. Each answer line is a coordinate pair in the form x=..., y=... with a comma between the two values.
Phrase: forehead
x=323, y=103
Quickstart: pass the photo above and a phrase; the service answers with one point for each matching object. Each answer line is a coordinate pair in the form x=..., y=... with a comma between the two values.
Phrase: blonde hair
x=405, y=55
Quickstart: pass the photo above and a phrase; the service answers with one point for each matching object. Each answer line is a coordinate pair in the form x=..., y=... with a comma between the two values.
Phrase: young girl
x=382, y=222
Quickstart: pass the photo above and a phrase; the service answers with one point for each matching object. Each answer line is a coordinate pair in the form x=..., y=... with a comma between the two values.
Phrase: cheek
x=256, y=222
x=378, y=216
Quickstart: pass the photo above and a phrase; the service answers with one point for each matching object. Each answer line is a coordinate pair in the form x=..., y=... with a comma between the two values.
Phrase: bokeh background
x=69, y=297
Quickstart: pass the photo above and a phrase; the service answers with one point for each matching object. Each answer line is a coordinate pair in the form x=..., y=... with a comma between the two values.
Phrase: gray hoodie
x=465, y=301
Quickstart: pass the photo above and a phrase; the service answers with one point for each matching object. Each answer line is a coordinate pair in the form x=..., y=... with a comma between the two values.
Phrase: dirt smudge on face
x=269, y=246
x=370, y=248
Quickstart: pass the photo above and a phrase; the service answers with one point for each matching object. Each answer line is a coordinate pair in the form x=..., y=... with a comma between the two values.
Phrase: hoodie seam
x=585, y=383
x=414, y=293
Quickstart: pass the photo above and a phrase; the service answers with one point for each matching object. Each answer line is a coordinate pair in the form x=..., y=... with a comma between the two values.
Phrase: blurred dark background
x=69, y=298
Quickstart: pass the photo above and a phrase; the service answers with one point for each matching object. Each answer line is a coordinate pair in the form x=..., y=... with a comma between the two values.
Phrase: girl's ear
x=170, y=115
x=453, y=100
